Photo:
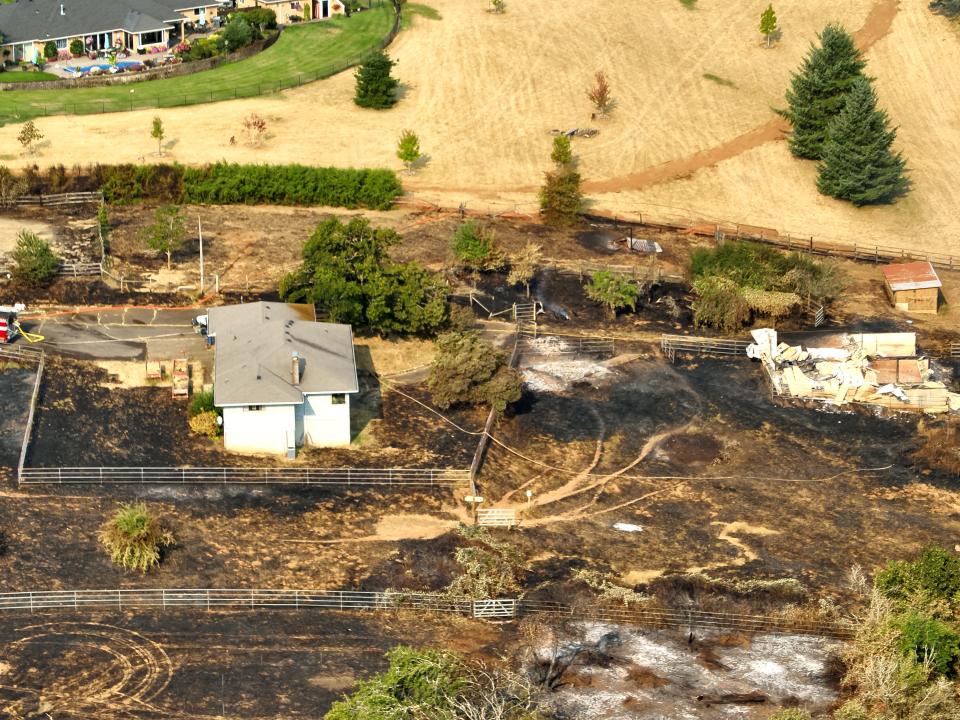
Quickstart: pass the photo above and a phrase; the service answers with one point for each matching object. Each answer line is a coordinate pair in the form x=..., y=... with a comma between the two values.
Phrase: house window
x=254, y=408
x=62, y=44
x=151, y=38
x=338, y=399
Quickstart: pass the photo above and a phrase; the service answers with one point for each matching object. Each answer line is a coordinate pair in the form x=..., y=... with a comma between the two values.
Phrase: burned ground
x=767, y=491
x=16, y=387
x=193, y=665
x=83, y=421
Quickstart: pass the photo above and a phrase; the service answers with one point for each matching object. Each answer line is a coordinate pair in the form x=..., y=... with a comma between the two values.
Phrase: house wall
x=195, y=14
x=326, y=424
x=259, y=431
x=291, y=8
x=918, y=301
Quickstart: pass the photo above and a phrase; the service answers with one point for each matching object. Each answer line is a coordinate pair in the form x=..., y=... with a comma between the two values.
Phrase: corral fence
x=670, y=345
x=565, y=345
x=61, y=199
x=954, y=350
x=21, y=353
x=641, y=273
x=348, y=600
x=497, y=517
x=78, y=270
x=143, y=99
x=342, y=477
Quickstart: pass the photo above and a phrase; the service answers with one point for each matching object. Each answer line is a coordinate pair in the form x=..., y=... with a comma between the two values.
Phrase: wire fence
x=351, y=600
x=343, y=477
x=143, y=99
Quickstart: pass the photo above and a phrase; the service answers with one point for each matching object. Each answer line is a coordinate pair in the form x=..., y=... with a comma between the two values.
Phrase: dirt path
x=877, y=25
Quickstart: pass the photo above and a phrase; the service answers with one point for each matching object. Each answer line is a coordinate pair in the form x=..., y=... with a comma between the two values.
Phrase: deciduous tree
x=498, y=6
x=524, y=266
x=347, y=272
x=600, y=93
x=467, y=370
x=256, y=128
x=158, y=133
x=819, y=90
x=376, y=88
x=768, y=23
x=475, y=247
x=859, y=162
x=29, y=136
x=408, y=149
x=167, y=233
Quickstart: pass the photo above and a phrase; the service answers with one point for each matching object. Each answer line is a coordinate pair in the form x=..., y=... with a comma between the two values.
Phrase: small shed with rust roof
x=913, y=287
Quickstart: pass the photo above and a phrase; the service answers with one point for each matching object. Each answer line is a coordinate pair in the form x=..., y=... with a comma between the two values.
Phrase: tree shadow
x=367, y=404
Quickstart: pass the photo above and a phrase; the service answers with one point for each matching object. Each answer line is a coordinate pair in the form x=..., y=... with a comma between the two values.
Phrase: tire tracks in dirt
x=877, y=25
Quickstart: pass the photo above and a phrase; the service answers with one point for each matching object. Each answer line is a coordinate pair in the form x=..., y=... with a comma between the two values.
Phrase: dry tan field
x=484, y=90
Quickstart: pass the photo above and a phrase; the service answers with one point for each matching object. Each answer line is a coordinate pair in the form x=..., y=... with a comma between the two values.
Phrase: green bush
x=614, y=292
x=929, y=641
x=35, y=263
x=76, y=47
x=933, y=576
x=236, y=34
x=475, y=247
x=719, y=304
x=376, y=88
x=134, y=538
x=50, y=50
x=467, y=370
x=232, y=184
x=202, y=402
x=258, y=17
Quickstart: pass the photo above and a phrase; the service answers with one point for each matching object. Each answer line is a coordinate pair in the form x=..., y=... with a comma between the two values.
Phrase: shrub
x=488, y=568
x=236, y=34
x=134, y=538
x=933, y=576
x=612, y=291
x=50, y=50
x=930, y=642
x=475, y=247
x=719, y=304
x=35, y=263
x=562, y=153
x=202, y=402
x=790, y=714
x=259, y=17
x=76, y=47
x=205, y=423
x=467, y=370
x=12, y=186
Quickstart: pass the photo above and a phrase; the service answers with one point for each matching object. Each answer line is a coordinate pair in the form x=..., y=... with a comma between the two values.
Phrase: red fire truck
x=9, y=327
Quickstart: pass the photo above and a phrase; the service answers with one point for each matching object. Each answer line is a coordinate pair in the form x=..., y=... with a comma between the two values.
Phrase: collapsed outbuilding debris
x=881, y=369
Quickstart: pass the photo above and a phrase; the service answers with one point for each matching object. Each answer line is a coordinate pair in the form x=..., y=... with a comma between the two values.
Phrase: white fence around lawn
x=352, y=600
x=348, y=477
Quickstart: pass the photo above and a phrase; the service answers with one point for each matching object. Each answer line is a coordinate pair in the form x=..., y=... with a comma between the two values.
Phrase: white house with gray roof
x=282, y=379
x=27, y=25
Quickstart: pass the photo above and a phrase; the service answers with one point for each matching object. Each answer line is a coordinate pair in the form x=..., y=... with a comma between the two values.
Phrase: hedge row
x=230, y=184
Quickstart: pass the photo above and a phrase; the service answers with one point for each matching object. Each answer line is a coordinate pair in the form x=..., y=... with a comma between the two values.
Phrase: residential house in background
x=28, y=25
x=297, y=10
x=282, y=379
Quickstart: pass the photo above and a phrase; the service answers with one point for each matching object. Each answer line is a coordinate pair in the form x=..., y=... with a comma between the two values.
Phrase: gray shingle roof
x=254, y=347
x=29, y=20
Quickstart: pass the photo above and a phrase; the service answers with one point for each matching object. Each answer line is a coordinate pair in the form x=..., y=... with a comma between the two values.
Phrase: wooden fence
x=61, y=199
x=343, y=477
x=724, y=347
x=349, y=600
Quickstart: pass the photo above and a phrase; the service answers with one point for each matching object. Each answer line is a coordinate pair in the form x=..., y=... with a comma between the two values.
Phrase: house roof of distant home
x=39, y=20
x=911, y=276
x=255, y=343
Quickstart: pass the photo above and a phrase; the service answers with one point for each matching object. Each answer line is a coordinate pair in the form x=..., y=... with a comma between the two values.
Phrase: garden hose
x=29, y=337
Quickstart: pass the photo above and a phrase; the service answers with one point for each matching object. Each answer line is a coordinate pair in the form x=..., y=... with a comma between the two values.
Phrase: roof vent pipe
x=295, y=368
x=62, y=9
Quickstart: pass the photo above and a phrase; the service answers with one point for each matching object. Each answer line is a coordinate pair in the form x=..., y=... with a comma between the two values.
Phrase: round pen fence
x=345, y=477
x=355, y=601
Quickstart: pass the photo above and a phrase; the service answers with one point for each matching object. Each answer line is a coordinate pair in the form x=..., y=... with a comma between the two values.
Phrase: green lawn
x=302, y=54
x=19, y=76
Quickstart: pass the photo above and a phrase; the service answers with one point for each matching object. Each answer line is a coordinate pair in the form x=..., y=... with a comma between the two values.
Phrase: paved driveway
x=125, y=334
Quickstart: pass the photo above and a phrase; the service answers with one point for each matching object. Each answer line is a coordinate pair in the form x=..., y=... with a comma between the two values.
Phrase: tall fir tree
x=818, y=91
x=376, y=88
x=859, y=163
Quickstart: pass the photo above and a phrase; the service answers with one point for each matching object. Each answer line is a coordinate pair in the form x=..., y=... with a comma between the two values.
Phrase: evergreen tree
x=818, y=91
x=859, y=163
x=375, y=87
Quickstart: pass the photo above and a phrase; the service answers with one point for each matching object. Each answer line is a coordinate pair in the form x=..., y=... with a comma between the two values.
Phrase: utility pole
x=200, y=232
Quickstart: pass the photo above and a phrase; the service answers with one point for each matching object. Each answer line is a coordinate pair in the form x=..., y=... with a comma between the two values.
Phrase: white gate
x=499, y=608
x=496, y=517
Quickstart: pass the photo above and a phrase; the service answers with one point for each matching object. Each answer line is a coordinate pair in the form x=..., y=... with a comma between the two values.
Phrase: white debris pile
x=876, y=368
x=651, y=675
x=559, y=375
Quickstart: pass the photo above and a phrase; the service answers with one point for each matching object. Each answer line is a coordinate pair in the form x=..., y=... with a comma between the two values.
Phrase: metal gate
x=499, y=608
x=497, y=517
